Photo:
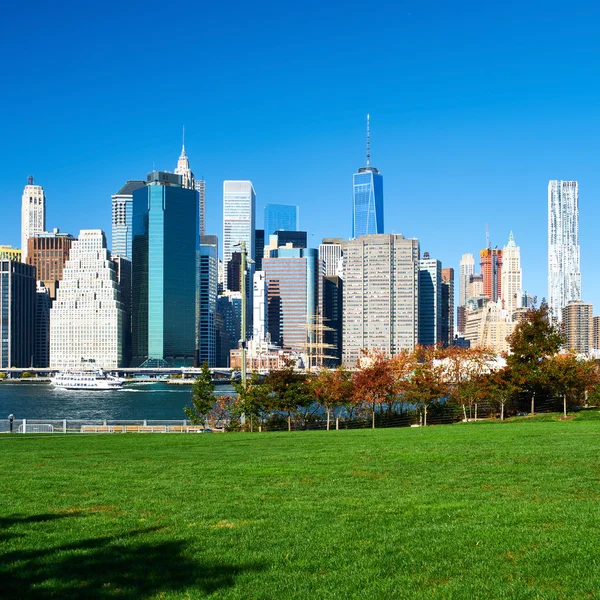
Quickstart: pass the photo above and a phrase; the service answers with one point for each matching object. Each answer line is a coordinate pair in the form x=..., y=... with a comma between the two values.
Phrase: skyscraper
x=467, y=268
x=333, y=310
x=447, y=306
x=183, y=169
x=17, y=314
x=564, y=274
x=367, y=197
x=381, y=291
x=295, y=298
x=86, y=319
x=331, y=252
x=200, y=186
x=33, y=214
x=43, y=304
x=239, y=206
x=430, y=301
x=512, y=279
x=259, y=320
x=48, y=253
x=165, y=271
x=122, y=211
x=578, y=326
x=491, y=271
x=280, y=216
x=207, y=300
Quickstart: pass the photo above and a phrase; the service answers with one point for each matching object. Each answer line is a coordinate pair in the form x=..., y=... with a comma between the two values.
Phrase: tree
x=569, y=376
x=534, y=341
x=288, y=390
x=374, y=384
x=253, y=399
x=202, y=397
x=497, y=387
x=332, y=389
x=427, y=384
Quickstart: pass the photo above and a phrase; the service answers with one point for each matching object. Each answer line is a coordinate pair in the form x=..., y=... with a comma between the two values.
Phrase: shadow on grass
x=124, y=567
x=6, y=522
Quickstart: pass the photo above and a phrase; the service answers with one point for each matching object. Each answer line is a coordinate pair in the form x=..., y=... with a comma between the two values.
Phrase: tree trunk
x=337, y=423
x=251, y=424
x=502, y=411
x=476, y=411
x=565, y=404
x=586, y=398
x=328, y=419
x=289, y=422
x=465, y=411
x=425, y=413
x=533, y=404
x=373, y=417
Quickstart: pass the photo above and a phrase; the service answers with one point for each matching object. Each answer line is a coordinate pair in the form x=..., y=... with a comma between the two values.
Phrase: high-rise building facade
x=10, y=253
x=578, y=326
x=430, y=301
x=333, y=311
x=381, y=295
x=17, y=314
x=87, y=317
x=200, y=186
x=512, y=277
x=239, y=207
x=491, y=271
x=48, y=253
x=122, y=214
x=280, y=216
x=207, y=301
x=259, y=320
x=259, y=248
x=466, y=269
x=33, y=214
x=183, y=169
x=331, y=252
x=165, y=272
x=596, y=333
x=294, y=280
x=43, y=304
x=564, y=272
x=447, y=306
x=367, y=197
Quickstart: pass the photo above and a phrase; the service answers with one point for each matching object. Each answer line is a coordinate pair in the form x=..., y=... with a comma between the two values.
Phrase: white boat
x=86, y=380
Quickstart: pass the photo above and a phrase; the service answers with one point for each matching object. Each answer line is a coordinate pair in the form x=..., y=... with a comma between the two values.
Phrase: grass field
x=485, y=510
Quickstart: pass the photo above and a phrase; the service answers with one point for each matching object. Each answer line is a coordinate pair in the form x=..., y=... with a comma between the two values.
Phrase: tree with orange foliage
x=427, y=383
x=374, y=384
x=332, y=388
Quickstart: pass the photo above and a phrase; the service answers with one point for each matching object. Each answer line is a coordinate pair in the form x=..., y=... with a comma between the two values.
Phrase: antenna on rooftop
x=368, y=140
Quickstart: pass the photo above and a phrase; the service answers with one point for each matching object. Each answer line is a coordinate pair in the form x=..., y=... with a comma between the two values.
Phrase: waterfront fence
x=103, y=426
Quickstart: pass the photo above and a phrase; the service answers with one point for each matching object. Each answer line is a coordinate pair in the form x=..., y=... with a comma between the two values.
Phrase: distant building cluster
x=164, y=296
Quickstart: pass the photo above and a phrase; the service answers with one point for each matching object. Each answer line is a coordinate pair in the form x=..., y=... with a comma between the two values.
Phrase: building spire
x=368, y=140
x=511, y=241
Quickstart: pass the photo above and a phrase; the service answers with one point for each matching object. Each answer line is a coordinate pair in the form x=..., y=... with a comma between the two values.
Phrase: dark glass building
x=164, y=272
x=17, y=314
x=280, y=216
x=333, y=309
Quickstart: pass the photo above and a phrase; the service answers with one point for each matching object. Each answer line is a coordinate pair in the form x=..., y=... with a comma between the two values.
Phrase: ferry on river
x=86, y=380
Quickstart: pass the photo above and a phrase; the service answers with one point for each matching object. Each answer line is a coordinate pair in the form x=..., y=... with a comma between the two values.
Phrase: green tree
x=253, y=400
x=202, y=398
x=535, y=340
x=498, y=388
x=288, y=390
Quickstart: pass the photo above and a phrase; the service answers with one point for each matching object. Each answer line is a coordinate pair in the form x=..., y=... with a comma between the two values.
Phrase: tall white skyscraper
x=564, y=274
x=183, y=169
x=87, y=317
x=331, y=252
x=512, y=277
x=381, y=295
x=239, y=209
x=467, y=268
x=33, y=214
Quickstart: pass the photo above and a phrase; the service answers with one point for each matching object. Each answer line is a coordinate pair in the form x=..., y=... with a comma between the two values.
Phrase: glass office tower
x=165, y=272
x=280, y=216
x=122, y=213
x=367, y=197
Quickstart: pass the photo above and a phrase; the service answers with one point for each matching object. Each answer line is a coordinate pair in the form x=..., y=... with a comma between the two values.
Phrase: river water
x=157, y=401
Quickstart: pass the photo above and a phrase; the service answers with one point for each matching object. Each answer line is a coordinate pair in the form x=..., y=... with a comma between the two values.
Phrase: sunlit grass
x=496, y=510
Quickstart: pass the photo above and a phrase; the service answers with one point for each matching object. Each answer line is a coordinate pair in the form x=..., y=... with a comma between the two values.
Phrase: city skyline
x=478, y=112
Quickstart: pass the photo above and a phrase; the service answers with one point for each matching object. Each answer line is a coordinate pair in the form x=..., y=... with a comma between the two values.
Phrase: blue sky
x=474, y=107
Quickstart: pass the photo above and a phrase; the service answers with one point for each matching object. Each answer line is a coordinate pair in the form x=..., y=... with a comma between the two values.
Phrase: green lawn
x=485, y=510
